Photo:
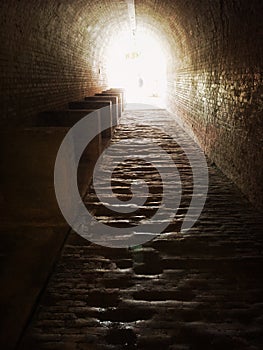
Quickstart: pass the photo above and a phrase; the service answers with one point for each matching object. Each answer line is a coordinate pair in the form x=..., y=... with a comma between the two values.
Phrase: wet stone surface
x=186, y=291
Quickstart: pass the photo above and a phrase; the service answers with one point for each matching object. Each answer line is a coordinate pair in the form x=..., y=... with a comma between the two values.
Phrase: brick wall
x=51, y=53
x=215, y=81
x=220, y=93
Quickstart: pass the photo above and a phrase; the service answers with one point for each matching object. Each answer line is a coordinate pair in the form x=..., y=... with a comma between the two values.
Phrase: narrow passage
x=196, y=290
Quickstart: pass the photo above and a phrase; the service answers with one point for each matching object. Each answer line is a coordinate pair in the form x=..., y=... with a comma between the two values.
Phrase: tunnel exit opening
x=137, y=62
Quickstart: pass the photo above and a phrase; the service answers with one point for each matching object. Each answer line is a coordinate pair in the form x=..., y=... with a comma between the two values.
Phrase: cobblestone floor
x=197, y=290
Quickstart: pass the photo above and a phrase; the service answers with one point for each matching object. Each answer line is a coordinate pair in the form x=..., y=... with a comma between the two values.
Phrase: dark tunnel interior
x=209, y=74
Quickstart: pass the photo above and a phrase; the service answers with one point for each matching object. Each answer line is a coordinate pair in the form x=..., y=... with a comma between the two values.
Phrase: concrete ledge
x=27, y=177
x=68, y=118
x=112, y=94
x=28, y=157
x=96, y=104
x=64, y=117
x=113, y=90
x=112, y=99
x=28, y=255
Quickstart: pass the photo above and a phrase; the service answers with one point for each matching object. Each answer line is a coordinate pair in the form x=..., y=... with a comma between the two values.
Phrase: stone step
x=113, y=99
x=120, y=100
x=122, y=91
x=28, y=171
x=63, y=117
x=68, y=118
x=105, y=112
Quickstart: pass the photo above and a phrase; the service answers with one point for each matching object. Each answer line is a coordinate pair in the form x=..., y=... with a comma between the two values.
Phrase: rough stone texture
x=199, y=290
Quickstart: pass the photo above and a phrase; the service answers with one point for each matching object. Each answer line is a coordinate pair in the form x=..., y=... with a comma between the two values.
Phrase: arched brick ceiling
x=53, y=52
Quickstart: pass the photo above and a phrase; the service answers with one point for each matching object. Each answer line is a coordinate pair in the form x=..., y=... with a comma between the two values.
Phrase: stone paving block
x=154, y=342
x=122, y=336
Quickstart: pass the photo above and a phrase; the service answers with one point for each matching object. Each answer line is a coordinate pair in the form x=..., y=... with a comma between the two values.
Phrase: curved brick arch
x=53, y=53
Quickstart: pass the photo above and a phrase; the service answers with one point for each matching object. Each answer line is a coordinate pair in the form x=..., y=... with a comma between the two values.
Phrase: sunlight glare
x=138, y=64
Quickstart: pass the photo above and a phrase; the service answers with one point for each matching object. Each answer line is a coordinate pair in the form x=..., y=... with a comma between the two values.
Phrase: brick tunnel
x=199, y=288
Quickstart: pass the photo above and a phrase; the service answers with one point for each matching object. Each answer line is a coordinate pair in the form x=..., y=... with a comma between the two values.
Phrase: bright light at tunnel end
x=138, y=63
x=86, y=225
